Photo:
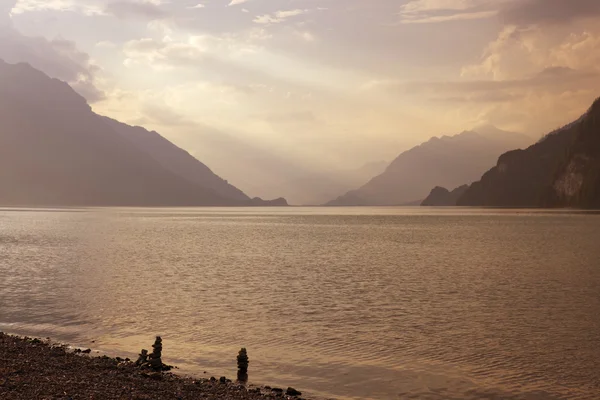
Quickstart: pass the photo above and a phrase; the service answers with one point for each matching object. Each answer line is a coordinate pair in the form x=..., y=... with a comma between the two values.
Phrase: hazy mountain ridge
x=54, y=151
x=447, y=161
x=317, y=187
x=176, y=159
x=562, y=169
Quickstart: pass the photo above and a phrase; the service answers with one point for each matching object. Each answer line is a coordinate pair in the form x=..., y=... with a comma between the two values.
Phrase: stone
x=243, y=361
x=154, y=359
x=293, y=392
x=143, y=358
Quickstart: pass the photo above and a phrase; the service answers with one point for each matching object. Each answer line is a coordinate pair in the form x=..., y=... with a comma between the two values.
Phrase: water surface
x=377, y=303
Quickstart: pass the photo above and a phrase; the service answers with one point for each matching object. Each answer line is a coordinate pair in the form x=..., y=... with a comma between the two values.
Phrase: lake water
x=377, y=303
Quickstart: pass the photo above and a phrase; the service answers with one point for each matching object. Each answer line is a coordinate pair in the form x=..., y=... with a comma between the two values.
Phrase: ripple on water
x=392, y=303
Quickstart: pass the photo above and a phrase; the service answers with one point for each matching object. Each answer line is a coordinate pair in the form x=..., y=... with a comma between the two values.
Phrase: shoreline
x=33, y=368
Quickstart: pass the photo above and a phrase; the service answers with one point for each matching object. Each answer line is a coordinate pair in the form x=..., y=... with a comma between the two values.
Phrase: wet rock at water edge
x=293, y=392
x=243, y=361
x=155, y=358
x=143, y=358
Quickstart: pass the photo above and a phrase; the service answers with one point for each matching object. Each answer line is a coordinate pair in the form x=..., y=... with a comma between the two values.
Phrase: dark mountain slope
x=54, y=151
x=176, y=159
x=442, y=197
x=524, y=178
x=576, y=182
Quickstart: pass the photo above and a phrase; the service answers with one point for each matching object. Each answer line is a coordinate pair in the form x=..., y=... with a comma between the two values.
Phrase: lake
x=373, y=303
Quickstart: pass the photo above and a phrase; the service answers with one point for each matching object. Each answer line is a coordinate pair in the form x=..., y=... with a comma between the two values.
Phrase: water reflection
x=424, y=304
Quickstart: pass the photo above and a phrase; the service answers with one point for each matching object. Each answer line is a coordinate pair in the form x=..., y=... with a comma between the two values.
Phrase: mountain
x=317, y=187
x=176, y=160
x=449, y=161
x=577, y=180
x=561, y=170
x=54, y=151
x=442, y=197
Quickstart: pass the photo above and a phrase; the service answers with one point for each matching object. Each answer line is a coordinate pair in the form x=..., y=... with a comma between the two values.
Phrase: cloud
x=161, y=114
x=58, y=58
x=531, y=12
x=551, y=79
x=137, y=9
x=5, y=8
x=432, y=11
x=278, y=16
x=296, y=117
x=237, y=2
x=85, y=7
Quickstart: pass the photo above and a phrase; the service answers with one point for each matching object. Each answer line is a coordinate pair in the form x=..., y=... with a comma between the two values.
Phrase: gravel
x=33, y=369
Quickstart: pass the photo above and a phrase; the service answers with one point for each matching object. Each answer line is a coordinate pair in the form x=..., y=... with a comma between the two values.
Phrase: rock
x=154, y=359
x=242, y=377
x=86, y=351
x=242, y=362
x=293, y=392
x=143, y=358
x=223, y=379
x=277, y=390
x=213, y=379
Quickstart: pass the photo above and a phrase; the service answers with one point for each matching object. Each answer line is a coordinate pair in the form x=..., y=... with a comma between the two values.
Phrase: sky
x=268, y=90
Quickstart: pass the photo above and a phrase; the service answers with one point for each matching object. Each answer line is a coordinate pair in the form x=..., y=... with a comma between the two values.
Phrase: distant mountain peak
x=447, y=161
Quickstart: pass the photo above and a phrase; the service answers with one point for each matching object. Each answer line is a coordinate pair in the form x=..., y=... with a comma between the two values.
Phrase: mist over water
x=379, y=303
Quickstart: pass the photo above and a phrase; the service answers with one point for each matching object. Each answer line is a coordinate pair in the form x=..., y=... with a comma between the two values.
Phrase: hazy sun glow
x=258, y=87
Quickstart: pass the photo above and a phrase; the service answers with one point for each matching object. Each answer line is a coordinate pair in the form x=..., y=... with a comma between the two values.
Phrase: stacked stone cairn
x=153, y=360
x=242, y=363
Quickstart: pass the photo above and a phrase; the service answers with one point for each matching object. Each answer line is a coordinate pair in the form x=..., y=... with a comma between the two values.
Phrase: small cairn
x=155, y=360
x=143, y=358
x=242, y=364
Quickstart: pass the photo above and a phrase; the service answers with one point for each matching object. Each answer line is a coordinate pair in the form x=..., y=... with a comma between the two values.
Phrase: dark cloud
x=130, y=9
x=534, y=12
x=553, y=79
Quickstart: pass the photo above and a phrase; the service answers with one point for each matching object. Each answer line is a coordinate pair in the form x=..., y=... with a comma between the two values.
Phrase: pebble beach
x=35, y=369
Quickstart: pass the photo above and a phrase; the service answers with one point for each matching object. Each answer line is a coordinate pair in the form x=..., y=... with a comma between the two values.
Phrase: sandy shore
x=32, y=369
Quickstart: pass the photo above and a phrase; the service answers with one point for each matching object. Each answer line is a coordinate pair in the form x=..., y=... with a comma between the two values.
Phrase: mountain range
x=306, y=187
x=447, y=161
x=55, y=151
x=561, y=170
